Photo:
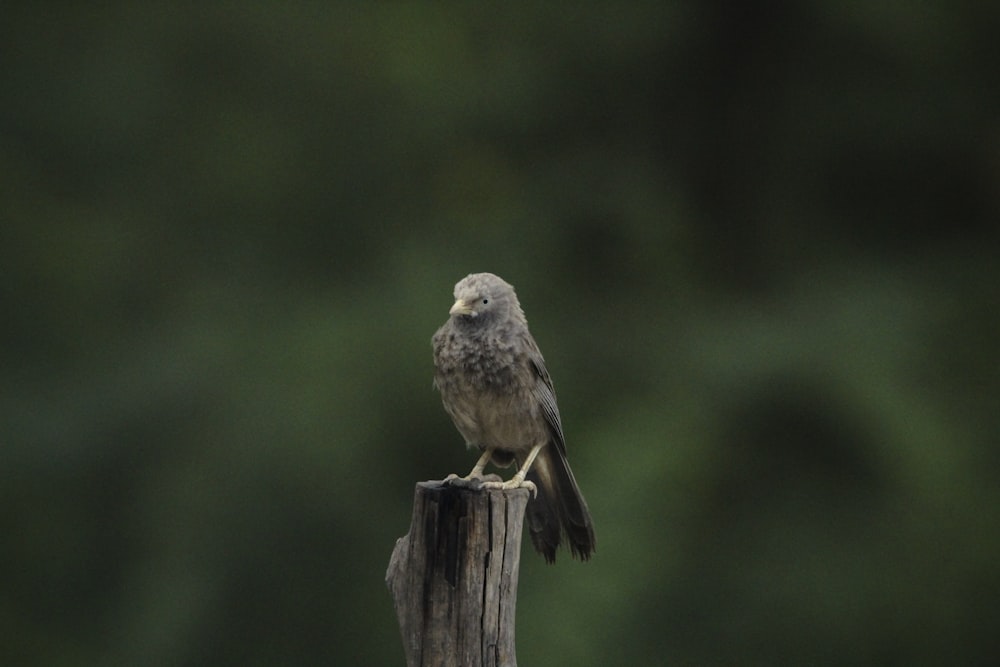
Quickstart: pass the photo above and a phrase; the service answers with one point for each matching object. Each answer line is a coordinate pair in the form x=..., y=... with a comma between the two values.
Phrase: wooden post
x=453, y=577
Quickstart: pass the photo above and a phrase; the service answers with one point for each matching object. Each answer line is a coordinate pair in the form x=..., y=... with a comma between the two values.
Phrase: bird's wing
x=545, y=394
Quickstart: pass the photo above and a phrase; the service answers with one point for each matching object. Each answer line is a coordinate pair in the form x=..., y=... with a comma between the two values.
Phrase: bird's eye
x=485, y=301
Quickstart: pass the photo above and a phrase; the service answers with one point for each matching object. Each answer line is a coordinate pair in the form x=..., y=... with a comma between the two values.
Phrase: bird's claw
x=513, y=484
x=470, y=481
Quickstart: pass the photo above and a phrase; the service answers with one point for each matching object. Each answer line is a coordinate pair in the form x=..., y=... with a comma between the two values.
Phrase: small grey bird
x=495, y=387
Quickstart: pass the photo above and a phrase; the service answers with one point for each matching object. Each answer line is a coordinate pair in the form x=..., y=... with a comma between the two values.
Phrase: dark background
x=757, y=243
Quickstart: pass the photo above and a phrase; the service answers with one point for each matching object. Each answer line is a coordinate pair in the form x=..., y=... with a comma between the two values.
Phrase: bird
x=497, y=390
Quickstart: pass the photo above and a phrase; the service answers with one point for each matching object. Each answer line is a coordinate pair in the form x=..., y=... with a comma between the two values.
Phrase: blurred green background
x=757, y=243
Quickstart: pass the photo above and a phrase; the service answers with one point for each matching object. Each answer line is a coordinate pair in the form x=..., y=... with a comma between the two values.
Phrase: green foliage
x=757, y=244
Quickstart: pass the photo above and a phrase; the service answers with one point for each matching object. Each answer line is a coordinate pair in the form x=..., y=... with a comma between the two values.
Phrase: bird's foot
x=470, y=481
x=513, y=483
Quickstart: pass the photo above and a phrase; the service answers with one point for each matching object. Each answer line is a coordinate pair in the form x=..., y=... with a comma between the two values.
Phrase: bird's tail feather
x=559, y=507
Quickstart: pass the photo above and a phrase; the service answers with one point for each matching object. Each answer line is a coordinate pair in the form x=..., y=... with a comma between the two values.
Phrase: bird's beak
x=461, y=308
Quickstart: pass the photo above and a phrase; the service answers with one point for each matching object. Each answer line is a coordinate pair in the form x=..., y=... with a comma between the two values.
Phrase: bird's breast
x=487, y=394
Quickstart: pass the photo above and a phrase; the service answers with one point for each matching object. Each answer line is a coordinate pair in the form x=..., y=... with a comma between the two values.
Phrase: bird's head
x=483, y=297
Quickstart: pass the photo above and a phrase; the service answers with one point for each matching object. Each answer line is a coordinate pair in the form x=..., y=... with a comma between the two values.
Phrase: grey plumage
x=495, y=387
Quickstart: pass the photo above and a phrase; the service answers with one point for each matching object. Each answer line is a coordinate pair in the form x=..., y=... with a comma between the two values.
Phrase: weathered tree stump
x=453, y=577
